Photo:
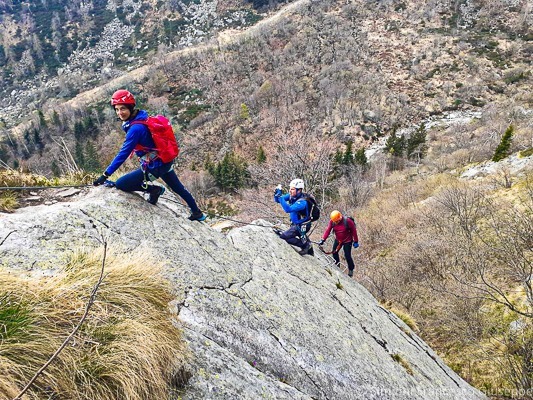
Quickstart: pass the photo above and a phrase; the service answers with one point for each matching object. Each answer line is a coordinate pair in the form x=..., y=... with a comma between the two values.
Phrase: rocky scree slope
x=260, y=320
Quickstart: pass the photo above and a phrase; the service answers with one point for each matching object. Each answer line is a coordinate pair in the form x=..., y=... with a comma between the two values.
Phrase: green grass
x=15, y=318
x=526, y=153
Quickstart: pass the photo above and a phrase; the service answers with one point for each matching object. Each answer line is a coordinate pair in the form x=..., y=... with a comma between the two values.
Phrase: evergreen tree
x=4, y=155
x=245, y=112
x=56, y=172
x=42, y=120
x=56, y=121
x=79, y=154
x=78, y=130
x=209, y=165
x=89, y=127
x=27, y=137
x=503, y=149
x=231, y=173
x=38, y=141
x=91, y=158
x=416, y=144
x=360, y=157
x=261, y=155
x=395, y=145
x=348, y=154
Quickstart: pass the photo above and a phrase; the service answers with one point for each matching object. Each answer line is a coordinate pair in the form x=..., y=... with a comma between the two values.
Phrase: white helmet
x=297, y=184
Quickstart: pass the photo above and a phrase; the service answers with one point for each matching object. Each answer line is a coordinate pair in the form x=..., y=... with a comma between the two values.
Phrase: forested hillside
x=385, y=109
x=55, y=49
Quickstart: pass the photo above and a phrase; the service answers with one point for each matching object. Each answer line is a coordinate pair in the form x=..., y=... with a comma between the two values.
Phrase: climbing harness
x=146, y=162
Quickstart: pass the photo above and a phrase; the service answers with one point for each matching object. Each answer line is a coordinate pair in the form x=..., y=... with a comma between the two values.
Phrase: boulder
x=260, y=320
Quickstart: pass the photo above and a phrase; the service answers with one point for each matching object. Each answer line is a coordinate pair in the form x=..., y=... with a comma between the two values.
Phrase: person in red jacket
x=345, y=237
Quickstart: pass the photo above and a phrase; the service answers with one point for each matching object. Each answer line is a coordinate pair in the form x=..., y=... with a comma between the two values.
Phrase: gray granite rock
x=260, y=320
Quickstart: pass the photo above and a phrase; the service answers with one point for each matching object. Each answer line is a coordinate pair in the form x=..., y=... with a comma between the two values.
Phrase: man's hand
x=100, y=180
x=278, y=192
x=355, y=245
x=322, y=241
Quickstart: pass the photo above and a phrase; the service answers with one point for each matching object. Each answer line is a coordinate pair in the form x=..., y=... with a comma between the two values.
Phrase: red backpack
x=162, y=133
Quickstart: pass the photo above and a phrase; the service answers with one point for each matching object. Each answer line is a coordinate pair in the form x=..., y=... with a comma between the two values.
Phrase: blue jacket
x=135, y=134
x=295, y=206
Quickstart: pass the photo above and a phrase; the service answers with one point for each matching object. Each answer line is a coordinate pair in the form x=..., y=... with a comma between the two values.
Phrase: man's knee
x=121, y=185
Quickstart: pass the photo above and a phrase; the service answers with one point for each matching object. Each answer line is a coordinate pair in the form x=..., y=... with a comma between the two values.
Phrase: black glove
x=100, y=180
x=322, y=241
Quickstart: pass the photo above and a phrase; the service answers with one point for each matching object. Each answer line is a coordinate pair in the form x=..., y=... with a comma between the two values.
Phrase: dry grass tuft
x=16, y=178
x=127, y=348
x=406, y=318
x=8, y=201
x=403, y=362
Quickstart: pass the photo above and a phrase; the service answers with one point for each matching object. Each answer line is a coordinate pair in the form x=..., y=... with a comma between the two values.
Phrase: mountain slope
x=341, y=72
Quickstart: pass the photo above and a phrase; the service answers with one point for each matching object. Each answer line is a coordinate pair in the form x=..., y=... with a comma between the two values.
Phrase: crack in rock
x=298, y=364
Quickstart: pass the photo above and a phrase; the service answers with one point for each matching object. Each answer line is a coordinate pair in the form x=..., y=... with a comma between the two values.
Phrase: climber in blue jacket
x=138, y=138
x=296, y=206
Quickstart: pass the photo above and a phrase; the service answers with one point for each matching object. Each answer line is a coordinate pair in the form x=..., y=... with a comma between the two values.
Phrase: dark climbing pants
x=296, y=235
x=133, y=182
x=347, y=247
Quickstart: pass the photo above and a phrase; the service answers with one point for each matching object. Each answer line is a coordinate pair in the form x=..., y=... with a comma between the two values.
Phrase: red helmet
x=122, y=97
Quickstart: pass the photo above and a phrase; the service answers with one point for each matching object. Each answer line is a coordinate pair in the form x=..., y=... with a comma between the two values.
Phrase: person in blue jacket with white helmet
x=138, y=137
x=296, y=206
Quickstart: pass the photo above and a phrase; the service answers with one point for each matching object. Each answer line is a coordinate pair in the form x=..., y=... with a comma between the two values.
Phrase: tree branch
x=91, y=301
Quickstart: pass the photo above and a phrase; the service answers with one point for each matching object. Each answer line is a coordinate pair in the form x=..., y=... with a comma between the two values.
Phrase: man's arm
x=132, y=138
x=297, y=206
x=353, y=229
x=327, y=231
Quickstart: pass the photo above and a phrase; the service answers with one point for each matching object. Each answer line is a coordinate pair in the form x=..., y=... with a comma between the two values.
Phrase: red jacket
x=345, y=231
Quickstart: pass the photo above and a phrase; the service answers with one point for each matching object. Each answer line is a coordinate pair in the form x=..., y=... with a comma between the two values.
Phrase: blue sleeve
x=285, y=197
x=299, y=205
x=132, y=138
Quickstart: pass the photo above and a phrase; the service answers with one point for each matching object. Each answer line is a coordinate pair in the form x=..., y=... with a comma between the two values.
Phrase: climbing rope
x=41, y=187
x=212, y=215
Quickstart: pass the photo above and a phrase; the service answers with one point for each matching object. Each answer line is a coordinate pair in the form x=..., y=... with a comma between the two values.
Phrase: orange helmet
x=122, y=97
x=335, y=216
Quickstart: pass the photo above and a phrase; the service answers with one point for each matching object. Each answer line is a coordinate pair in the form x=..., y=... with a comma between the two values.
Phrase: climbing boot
x=155, y=192
x=197, y=216
x=305, y=249
x=350, y=273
